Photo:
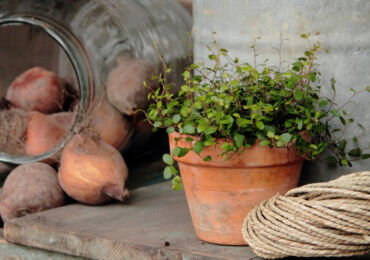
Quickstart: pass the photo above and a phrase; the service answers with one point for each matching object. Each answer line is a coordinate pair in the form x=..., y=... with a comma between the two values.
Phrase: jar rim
x=81, y=66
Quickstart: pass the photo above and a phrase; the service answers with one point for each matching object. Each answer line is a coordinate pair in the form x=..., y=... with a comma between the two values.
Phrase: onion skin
x=45, y=132
x=13, y=125
x=30, y=188
x=125, y=89
x=111, y=126
x=92, y=171
x=37, y=90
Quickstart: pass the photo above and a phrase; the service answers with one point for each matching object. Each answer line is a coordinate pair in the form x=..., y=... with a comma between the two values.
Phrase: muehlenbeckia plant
x=241, y=102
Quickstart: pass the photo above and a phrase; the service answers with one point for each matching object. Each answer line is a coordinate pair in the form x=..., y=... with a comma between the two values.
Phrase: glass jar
x=83, y=42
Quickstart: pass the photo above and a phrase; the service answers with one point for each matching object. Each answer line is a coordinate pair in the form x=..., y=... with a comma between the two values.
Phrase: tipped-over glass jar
x=93, y=46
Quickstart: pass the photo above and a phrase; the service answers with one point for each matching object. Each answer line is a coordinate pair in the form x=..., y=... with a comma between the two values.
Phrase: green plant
x=243, y=102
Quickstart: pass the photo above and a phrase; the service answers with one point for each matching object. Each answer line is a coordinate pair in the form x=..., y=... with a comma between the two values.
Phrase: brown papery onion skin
x=92, y=171
x=30, y=188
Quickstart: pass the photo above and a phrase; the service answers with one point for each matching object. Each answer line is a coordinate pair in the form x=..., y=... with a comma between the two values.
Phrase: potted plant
x=240, y=134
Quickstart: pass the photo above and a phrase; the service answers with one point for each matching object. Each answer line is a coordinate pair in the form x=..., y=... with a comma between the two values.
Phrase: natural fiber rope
x=320, y=219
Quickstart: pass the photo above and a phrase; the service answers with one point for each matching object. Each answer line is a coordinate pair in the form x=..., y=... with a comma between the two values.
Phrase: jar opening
x=29, y=42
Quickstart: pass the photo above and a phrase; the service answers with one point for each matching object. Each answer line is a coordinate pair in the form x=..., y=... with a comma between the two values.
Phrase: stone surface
x=344, y=31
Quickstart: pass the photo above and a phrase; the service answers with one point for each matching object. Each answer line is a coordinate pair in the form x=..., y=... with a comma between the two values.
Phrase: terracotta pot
x=220, y=192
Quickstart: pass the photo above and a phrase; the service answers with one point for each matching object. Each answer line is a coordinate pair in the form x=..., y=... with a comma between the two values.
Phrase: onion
x=45, y=132
x=37, y=90
x=125, y=88
x=111, y=126
x=92, y=171
x=30, y=188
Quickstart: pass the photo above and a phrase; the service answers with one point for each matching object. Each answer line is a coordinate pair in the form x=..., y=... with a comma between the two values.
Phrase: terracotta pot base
x=219, y=198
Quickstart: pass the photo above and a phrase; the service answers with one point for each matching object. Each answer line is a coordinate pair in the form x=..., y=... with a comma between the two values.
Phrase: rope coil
x=320, y=219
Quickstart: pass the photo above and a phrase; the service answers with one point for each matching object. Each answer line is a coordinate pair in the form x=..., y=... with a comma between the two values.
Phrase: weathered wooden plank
x=135, y=230
x=12, y=251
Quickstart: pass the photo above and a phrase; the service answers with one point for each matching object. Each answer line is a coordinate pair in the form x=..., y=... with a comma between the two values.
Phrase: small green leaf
x=189, y=129
x=176, y=183
x=186, y=75
x=176, y=151
x=189, y=139
x=167, y=173
x=183, y=152
x=212, y=57
x=342, y=144
x=170, y=130
x=344, y=162
x=298, y=95
x=335, y=112
x=270, y=134
x=198, y=147
x=332, y=160
x=207, y=158
x=342, y=120
x=168, y=159
x=173, y=170
x=153, y=114
x=365, y=156
x=355, y=140
x=323, y=103
x=157, y=124
x=168, y=122
x=332, y=83
x=356, y=152
x=197, y=105
x=300, y=124
x=202, y=125
x=210, y=130
x=234, y=83
x=264, y=142
x=285, y=138
x=176, y=118
x=260, y=125
x=312, y=77
x=239, y=140
x=185, y=88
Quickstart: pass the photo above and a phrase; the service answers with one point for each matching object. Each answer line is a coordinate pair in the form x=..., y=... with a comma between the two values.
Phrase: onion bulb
x=30, y=188
x=111, y=126
x=92, y=171
x=45, y=132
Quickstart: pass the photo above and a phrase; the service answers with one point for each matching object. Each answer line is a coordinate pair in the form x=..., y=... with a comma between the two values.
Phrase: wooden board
x=12, y=251
x=135, y=230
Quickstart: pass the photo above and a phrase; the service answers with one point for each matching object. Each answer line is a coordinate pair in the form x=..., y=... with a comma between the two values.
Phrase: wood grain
x=135, y=230
x=11, y=251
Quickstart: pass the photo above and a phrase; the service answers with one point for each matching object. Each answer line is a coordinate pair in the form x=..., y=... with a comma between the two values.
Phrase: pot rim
x=251, y=157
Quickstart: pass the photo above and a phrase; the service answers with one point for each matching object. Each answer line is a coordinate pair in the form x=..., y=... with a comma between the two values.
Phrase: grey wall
x=344, y=27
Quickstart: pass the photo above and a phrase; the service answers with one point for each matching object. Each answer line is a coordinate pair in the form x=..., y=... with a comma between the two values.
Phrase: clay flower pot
x=220, y=192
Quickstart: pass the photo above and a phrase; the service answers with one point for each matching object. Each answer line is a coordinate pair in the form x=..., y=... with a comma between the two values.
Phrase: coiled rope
x=321, y=219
